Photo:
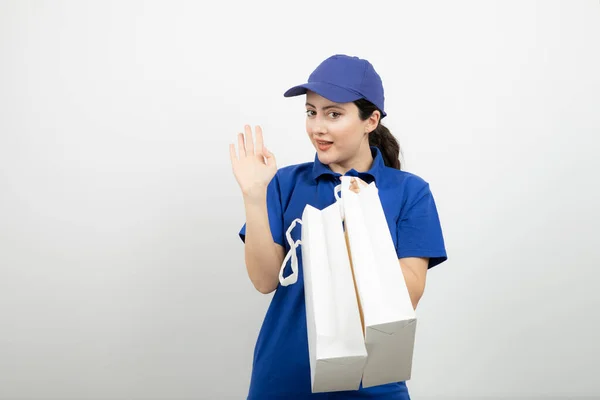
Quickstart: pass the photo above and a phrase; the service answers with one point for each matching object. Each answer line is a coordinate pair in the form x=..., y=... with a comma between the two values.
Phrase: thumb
x=270, y=157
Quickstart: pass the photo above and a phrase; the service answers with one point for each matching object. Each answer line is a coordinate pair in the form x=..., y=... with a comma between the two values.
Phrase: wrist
x=255, y=196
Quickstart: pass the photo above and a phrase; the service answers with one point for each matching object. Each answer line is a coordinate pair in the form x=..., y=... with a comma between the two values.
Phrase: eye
x=309, y=113
x=334, y=114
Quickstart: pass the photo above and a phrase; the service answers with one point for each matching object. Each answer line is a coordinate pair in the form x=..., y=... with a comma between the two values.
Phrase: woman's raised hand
x=253, y=165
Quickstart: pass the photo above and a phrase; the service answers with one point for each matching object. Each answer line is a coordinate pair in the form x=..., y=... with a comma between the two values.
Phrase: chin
x=326, y=157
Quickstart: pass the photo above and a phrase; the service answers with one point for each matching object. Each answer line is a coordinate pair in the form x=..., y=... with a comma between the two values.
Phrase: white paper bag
x=335, y=338
x=389, y=317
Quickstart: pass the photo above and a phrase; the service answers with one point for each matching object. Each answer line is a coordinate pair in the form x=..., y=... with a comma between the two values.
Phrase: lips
x=323, y=145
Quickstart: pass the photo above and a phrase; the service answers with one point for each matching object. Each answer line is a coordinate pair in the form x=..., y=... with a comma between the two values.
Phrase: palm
x=253, y=166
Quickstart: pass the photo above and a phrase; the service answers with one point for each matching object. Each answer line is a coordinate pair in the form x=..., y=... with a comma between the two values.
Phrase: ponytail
x=381, y=137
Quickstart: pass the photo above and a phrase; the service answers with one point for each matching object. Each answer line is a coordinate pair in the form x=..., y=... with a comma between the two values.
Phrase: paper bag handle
x=336, y=192
x=293, y=277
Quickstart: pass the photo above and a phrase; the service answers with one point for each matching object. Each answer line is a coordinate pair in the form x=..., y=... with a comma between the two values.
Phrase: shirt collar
x=320, y=169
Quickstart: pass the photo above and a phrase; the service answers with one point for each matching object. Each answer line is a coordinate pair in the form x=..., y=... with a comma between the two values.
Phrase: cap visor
x=329, y=91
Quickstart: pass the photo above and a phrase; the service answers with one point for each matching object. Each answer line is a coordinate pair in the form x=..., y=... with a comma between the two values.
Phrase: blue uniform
x=281, y=363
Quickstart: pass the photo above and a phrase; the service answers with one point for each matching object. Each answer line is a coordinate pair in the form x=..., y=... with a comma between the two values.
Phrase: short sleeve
x=274, y=211
x=419, y=232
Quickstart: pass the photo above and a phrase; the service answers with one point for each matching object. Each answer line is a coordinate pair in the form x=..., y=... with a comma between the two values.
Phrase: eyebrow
x=327, y=107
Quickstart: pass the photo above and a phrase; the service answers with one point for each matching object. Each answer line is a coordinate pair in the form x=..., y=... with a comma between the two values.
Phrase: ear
x=373, y=121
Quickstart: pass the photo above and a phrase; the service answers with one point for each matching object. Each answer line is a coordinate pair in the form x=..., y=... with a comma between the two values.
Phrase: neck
x=361, y=162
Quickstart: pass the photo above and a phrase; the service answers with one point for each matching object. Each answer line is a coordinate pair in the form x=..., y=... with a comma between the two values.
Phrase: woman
x=344, y=108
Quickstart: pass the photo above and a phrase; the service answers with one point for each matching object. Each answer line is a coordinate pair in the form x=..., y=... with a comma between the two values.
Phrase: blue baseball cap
x=342, y=79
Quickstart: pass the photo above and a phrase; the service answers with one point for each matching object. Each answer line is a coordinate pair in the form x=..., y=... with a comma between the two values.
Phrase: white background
x=121, y=272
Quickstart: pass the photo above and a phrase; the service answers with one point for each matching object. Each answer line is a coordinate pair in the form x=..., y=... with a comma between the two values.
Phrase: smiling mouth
x=323, y=145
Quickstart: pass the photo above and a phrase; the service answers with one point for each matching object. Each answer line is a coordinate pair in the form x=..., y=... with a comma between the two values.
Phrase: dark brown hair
x=381, y=137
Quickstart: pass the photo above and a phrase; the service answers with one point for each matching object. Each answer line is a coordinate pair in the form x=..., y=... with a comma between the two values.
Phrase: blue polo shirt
x=281, y=364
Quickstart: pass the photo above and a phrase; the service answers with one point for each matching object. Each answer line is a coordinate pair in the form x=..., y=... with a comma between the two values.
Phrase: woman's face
x=337, y=133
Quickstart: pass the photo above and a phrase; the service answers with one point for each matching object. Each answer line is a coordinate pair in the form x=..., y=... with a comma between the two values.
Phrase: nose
x=318, y=128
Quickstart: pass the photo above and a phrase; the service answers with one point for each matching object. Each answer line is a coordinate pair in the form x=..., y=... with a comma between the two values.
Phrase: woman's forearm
x=263, y=256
